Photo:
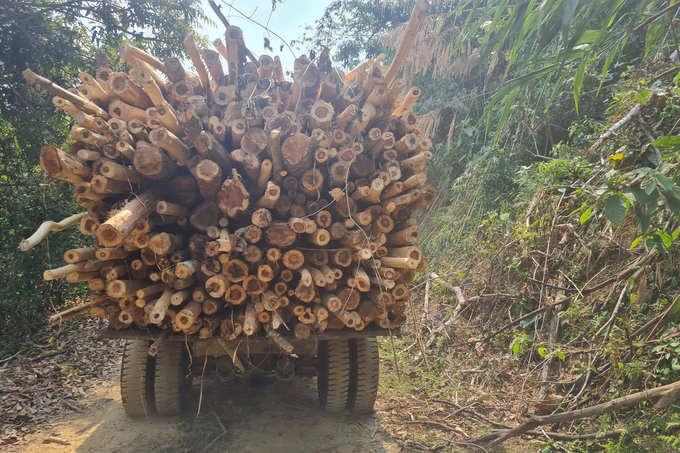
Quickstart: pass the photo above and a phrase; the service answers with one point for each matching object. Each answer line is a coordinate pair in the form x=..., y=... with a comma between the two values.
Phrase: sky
x=288, y=20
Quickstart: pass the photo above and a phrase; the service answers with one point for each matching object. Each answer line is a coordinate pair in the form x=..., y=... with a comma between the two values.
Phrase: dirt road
x=270, y=417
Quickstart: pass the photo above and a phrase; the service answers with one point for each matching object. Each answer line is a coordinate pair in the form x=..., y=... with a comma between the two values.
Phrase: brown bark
x=154, y=164
x=165, y=243
x=233, y=199
x=66, y=167
x=209, y=177
x=296, y=154
x=205, y=215
x=210, y=148
x=115, y=230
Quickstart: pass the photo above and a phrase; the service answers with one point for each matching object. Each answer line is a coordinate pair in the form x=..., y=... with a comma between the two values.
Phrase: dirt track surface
x=272, y=417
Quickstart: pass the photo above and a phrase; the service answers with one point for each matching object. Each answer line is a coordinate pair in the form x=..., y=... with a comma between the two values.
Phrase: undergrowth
x=586, y=241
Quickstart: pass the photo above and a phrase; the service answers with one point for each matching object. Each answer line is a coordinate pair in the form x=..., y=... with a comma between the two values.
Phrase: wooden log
x=225, y=95
x=81, y=276
x=209, y=177
x=321, y=115
x=399, y=263
x=171, y=209
x=82, y=103
x=205, y=215
x=250, y=324
x=235, y=52
x=195, y=56
x=407, y=236
x=117, y=172
x=233, y=199
x=302, y=331
x=126, y=112
x=408, y=102
x=61, y=165
x=212, y=306
x=105, y=254
x=165, y=139
x=154, y=164
x=186, y=269
x=117, y=228
x=174, y=70
x=165, y=243
x=251, y=165
x=415, y=22
x=238, y=129
x=296, y=154
x=163, y=116
x=254, y=140
x=279, y=234
x=235, y=295
x=212, y=61
x=186, y=316
x=149, y=290
x=122, y=87
x=293, y=259
x=427, y=196
x=107, y=187
x=210, y=325
x=210, y=148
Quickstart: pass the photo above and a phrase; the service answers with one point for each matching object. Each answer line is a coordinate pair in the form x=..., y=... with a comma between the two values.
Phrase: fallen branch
x=594, y=411
x=612, y=130
x=555, y=436
x=47, y=226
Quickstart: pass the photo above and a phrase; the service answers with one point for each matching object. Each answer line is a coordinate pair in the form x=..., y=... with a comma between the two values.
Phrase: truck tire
x=333, y=376
x=364, y=374
x=136, y=377
x=172, y=381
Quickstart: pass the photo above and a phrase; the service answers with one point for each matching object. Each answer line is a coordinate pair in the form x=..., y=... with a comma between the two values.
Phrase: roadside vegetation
x=552, y=283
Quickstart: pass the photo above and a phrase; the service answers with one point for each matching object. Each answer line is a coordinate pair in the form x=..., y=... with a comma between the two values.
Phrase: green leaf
x=668, y=143
x=560, y=355
x=587, y=214
x=509, y=102
x=636, y=241
x=531, y=319
x=541, y=352
x=666, y=183
x=578, y=81
x=642, y=217
x=607, y=64
x=674, y=311
x=615, y=209
x=569, y=12
x=666, y=238
x=589, y=36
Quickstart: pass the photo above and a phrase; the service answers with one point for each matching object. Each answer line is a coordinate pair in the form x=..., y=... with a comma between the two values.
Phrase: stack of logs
x=234, y=201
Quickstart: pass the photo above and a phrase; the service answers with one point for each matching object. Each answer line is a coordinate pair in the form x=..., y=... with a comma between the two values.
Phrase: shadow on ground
x=272, y=417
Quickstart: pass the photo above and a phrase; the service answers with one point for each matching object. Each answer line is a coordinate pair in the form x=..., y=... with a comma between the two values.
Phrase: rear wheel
x=172, y=382
x=136, y=377
x=364, y=374
x=333, y=376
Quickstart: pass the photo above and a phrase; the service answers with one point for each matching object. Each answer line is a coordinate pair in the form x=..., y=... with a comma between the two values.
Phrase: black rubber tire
x=364, y=374
x=171, y=383
x=333, y=376
x=136, y=376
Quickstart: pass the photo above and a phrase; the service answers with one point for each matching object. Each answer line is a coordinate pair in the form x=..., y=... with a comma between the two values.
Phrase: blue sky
x=288, y=20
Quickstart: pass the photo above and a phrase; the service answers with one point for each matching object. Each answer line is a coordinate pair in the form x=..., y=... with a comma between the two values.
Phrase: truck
x=157, y=367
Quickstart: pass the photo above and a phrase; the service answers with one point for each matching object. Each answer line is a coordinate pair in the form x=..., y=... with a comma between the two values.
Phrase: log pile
x=233, y=201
